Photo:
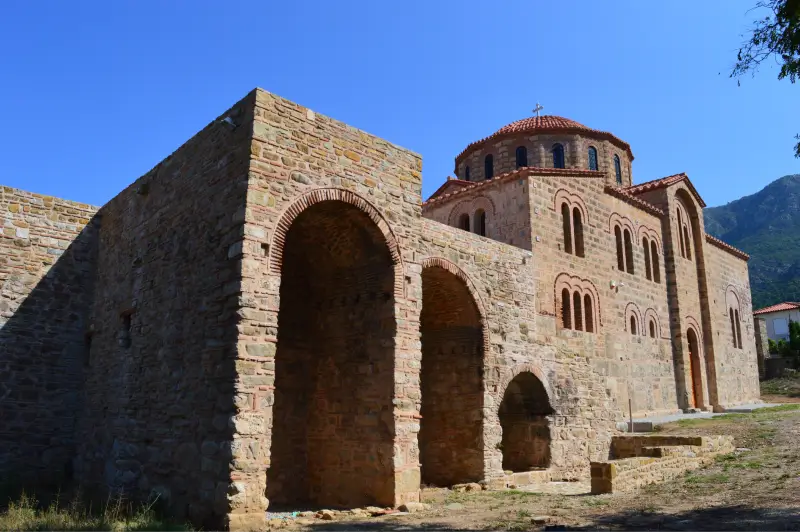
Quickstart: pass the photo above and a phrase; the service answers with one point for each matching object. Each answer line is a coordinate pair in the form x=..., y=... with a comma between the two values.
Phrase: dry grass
x=27, y=514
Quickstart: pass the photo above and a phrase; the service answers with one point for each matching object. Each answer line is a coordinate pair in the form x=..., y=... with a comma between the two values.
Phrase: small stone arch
x=652, y=234
x=525, y=415
x=334, y=194
x=573, y=200
x=732, y=299
x=632, y=309
x=462, y=207
x=623, y=221
x=651, y=314
x=573, y=284
x=514, y=371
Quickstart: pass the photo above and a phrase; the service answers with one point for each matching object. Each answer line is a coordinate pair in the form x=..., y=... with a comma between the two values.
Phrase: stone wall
x=729, y=288
x=47, y=247
x=159, y=387
x=505, y=203
x=762, y=344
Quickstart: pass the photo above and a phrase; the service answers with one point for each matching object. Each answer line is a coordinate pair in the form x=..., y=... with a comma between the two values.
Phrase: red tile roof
x=451, y=182
x=727, y=247
x=544, y=125
x=665, y=182
x=786, y=305
x=509, y=176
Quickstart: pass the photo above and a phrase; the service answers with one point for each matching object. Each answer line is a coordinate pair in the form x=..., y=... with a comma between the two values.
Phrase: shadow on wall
x=43, y=351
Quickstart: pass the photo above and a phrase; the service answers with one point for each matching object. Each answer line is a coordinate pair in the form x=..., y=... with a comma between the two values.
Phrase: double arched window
x=684, y=233
x=488, y=167
x=522, y=157
x=617, y=169
x=624, y=249
x=651, y=264
x=577, y=311
x=592, y=158
x=558, y=156
x=572, y=224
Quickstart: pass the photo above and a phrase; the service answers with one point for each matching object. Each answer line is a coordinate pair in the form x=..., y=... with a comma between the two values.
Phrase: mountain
x=767, y=226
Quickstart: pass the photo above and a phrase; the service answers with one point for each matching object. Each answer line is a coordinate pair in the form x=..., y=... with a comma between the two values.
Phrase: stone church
x=272, y=316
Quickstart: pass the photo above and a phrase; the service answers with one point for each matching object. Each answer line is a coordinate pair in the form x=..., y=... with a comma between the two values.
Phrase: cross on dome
x=538, y=108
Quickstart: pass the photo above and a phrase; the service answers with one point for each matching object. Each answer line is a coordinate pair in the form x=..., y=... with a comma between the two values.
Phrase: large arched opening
x=524, y=419
x=332, y=433
x=450, y=437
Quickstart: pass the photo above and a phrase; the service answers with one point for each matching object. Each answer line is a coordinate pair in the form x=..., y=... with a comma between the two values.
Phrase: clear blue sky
x=95, y=93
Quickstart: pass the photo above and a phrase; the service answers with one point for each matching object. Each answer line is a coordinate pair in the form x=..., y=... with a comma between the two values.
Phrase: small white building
x=778, y=317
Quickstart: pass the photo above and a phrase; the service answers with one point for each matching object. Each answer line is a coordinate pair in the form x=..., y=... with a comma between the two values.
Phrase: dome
x=546, y=125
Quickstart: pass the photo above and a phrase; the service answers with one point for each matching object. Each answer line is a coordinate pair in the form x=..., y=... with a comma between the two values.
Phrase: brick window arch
x=624, y=233
x=684, y=231
x=576, y=303
x=573, y=221
x=633, y=319
x=522, y=156
x=732, y=300
x=653, y=327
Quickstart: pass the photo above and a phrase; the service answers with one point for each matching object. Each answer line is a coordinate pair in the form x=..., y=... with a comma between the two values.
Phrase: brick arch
x=652, y=234
x=462, y=207
x=732, y=299
x=692, y=322
x=651, y=313
x=623, y=221
x=573, y=200
x=584, y=286
x=632, y=309
x=511, y=373
x=334, y=194
x=438, y=262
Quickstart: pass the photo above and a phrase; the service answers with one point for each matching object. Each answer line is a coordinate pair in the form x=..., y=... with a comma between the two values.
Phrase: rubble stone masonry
x=272, y=317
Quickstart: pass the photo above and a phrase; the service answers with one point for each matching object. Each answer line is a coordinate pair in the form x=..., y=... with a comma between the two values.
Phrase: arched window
x=617, y=169
x=628, y=251
x=480, y=222
x=592, y=158
x=654, y=261
x=577, y=227
x=634, y=331
x=688, y=245
x=652, y=329
x=588, y=309
x=576, y=303
x=488, y=167
x=620, y=249
x=466, y=173
x=565, y=221
x=733, y=327
x=566, y=309
x=738, y=328
x=463, y=222
x=647, y=267
x=522, y=157
x=558, y=156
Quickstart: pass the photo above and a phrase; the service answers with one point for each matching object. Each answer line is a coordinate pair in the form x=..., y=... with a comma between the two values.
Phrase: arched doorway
x=332, y=434
x=450, y=437
x=694, y=368
x=526, y=428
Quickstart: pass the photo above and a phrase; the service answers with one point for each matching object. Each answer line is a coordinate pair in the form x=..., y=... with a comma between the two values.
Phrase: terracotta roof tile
x=786, y=305
x=544, y=125
x=665, y=182
x=727, y=247
x=451, y=182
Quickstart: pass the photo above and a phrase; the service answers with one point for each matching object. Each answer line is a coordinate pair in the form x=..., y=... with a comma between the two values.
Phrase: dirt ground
x=757, y=488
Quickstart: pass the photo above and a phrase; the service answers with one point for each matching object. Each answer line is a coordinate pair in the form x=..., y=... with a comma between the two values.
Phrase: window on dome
x=617, y=169
x=592, y=158
x=558, y=156
x=488, y=167
x=466, y=173
x=522, y=157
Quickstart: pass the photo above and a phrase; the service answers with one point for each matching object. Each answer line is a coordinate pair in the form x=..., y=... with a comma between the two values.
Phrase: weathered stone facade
x=272, y=316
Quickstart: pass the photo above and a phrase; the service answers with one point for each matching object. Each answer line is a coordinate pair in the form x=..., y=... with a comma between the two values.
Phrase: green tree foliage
x=778, y=36
x=773, y=346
